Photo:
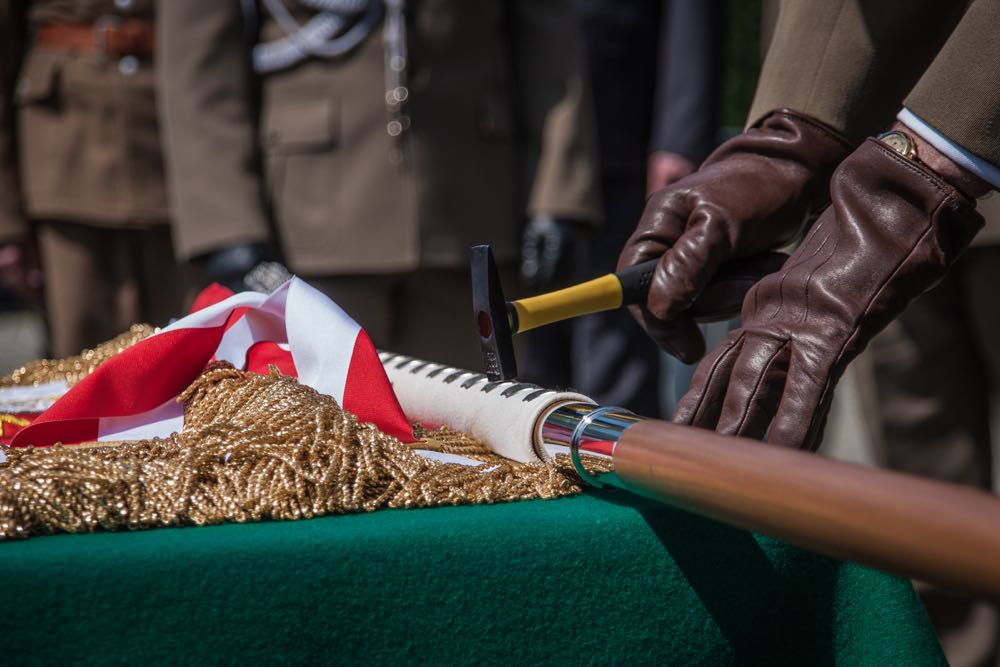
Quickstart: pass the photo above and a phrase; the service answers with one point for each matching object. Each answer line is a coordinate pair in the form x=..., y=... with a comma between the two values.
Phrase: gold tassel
x=254, y=447
x=74, y=369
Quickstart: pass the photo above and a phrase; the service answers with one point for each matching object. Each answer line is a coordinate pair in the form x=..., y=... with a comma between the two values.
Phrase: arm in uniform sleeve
x=959, y=94
x=209, y=127
x=849, y=63
x=556, y=112
x=689, y=69
x=12, y=35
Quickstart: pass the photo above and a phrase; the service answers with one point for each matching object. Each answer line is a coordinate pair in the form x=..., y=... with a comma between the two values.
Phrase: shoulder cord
x=327, y=35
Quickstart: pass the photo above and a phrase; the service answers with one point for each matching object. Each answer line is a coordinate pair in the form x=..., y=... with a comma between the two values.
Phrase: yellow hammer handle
x=593, y=296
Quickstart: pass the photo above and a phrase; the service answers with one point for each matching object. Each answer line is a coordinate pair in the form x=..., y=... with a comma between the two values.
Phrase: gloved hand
x=20, y=270
x=242, y=267
x=754, y=193
x=894, y=228
x=551, y=249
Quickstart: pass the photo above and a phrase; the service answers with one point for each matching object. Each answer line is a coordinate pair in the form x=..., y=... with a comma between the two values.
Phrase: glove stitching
x=786, y=272
x=856, y=326
x=712, y=373
x=816, y=426
x=756, y=297
x=808, y=281
x=820, y=127
x=757, y=385
x=938, y=183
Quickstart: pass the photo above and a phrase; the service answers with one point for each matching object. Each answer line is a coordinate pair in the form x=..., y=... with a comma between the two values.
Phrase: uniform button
x=396, y=96
x=128, y=65
x=123, y=4
x=397, y=126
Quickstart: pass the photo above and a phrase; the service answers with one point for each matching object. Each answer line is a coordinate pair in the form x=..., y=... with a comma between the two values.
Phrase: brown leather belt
x=117, y=37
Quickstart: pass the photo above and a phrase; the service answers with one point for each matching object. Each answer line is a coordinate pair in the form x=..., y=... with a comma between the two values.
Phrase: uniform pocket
x=37, y=83
x=299, y=127
x=45, y=134
x=299, y=148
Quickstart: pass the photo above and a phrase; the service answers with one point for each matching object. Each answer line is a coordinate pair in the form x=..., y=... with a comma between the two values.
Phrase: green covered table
x=599, y=578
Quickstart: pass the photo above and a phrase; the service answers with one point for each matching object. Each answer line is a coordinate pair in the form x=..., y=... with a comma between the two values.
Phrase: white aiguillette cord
x=517, y=420
x=505, y=415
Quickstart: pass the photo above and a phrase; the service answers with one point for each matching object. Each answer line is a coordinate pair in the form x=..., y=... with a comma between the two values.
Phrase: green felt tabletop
x=595, y=579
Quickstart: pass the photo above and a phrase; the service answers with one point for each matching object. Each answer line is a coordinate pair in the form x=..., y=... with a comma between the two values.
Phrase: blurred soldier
x=80, y=167
x=655, y=66
x=387, y=140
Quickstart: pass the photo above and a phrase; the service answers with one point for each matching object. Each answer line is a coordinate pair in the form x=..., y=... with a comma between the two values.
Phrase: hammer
x=498, y=319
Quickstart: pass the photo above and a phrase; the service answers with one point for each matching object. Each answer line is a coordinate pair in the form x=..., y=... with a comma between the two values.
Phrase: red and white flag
x=133, y=394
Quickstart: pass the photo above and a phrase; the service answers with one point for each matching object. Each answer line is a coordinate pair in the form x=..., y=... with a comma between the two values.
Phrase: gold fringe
x=254, y=447
x=74, y=369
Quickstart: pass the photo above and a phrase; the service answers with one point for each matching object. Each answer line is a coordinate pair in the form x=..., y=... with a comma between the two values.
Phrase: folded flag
x=298, y=329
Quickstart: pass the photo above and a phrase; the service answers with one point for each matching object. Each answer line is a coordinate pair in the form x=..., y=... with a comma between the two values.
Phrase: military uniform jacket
x=854, y=64
x=501, y=127
x=79, y=139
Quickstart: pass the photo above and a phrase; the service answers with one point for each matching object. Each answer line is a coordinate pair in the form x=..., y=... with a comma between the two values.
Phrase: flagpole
x=932, y=531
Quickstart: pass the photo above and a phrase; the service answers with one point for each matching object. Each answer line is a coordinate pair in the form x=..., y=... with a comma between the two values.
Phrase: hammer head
x=490, y=307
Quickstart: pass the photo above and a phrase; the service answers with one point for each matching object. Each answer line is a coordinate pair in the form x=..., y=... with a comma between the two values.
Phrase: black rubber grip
x=635, y=282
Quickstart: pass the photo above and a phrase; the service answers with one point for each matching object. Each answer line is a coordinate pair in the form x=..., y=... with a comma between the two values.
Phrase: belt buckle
x=102, y=26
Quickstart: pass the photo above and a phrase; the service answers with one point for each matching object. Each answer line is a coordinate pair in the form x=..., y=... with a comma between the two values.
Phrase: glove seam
x=786, y=272
x=760, y=380
x=711, y=374
x=856, y=327
x=946, y=189
x=817, y=125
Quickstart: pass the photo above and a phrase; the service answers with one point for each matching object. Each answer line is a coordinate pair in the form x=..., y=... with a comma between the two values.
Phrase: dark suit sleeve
x=12, y=34
x=850, y=63
x=209, y=128
x=555, y=110
x=688, y=86
x=959, y=94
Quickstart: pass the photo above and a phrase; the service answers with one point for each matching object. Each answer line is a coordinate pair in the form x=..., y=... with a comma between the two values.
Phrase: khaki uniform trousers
x=99, y=281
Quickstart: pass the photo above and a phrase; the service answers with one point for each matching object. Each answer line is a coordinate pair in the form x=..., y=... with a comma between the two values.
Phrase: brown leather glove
x=752, y=194
x=893, y=230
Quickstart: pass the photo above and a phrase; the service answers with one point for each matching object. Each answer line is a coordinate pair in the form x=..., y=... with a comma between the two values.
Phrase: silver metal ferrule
x=588, y=432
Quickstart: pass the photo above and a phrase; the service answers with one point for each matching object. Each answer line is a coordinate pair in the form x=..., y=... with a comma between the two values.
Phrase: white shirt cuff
x=963, y=158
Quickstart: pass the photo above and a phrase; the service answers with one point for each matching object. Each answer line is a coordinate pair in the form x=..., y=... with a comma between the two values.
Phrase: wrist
x=964, y=180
